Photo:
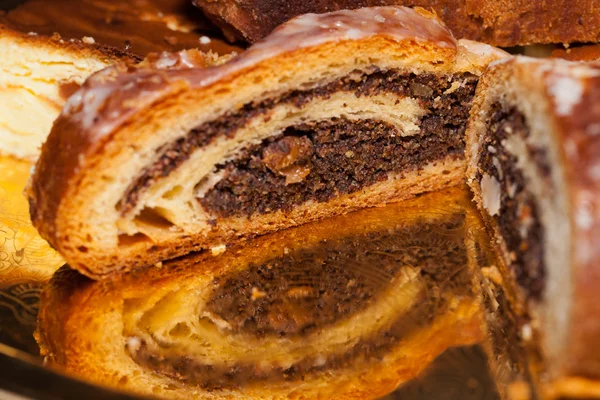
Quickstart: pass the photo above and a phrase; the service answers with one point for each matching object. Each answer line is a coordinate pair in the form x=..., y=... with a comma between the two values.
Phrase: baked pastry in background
x=331, y=113
x=533, y=153
x=590, y=52
x=50, y=47
x=346, y=308
x=500, y=23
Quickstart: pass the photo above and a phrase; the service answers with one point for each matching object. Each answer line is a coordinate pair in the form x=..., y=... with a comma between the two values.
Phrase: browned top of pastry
x=497, y=22
x=136, y=27
x=105, y=99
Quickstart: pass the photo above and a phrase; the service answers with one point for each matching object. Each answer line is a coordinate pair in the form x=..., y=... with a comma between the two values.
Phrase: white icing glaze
x=165, y=62
x=310, y=30
x=567, y=93
x=379, y=18
x=108, y=98
x=184, y=59
x=481, y=49
x=583, y=217
x=564, y=79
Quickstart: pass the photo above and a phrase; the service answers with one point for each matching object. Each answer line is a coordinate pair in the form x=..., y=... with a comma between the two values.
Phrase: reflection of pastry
x=50, y=47
x=331, y=113
x=19, y=303
x=344, y=308
x=460, y=373
x=502, y=23
x=533, y=152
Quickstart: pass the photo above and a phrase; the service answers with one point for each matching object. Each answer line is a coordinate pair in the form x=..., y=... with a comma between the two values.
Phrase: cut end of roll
x=530, y=156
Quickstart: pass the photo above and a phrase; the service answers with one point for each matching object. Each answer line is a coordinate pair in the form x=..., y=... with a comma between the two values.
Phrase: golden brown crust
x=96, y=124
x=57, y=165
x=500, y=23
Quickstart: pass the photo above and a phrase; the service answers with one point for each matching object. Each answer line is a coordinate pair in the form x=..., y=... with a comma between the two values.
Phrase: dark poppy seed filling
x=504, y=325
x=309, y=290
x=446, y=100
x=344, y=157
x=518, y=217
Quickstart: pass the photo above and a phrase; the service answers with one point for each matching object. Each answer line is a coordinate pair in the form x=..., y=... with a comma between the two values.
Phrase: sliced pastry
x=533, y=153
x=48, y=52
x=346, y=308
x=331, y=113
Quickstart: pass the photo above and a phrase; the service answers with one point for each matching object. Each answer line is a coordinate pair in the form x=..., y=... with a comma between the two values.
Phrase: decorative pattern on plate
x=23, y=253
x=19, y=305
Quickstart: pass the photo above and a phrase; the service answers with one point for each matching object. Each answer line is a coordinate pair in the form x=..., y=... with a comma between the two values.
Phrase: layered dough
x=48, y=55
x=529, y=145
x=309, y=146
x=341, y=105
x=350, y=307
x=36, y=80
x=330, y=114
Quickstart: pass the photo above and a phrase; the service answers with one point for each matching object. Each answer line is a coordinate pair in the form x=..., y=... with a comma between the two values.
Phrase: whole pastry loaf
x=331, y=113
x=501, y=23
x=533, y=153
x=346, y=308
